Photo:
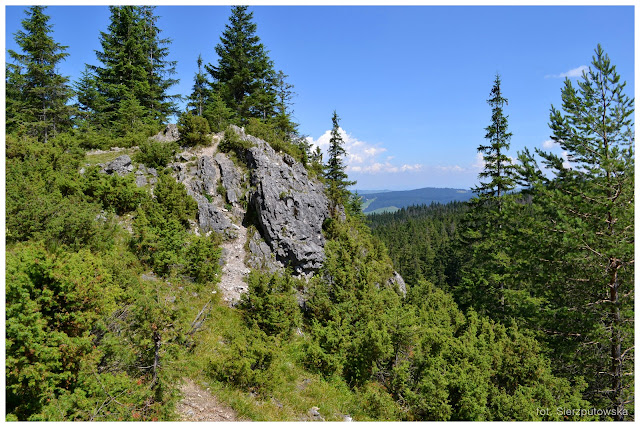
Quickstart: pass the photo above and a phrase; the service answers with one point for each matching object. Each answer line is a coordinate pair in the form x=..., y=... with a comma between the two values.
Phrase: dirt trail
x=234, y=271
x=198, y=404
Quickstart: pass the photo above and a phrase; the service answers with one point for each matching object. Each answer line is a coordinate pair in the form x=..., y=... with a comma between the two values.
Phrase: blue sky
x=409, y=83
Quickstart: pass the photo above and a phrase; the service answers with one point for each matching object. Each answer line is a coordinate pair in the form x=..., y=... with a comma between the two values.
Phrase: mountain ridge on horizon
x=392, y=200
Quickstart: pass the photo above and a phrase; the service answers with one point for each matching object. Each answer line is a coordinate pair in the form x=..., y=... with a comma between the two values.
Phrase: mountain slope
x=399, y=199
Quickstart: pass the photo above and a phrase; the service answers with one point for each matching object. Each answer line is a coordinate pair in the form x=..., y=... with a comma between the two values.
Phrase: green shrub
x=194, y=130
x=201, y=258
x=232, y=142
x=247, y=361
x=116, y=193
x=155, y=154
x=271, y=303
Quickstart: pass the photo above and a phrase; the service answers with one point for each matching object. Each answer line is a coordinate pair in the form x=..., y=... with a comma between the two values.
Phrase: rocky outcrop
x=145, y=175
x=397, y=282
x=231, y=178
x=169, y=134
x=207, y=176
x=121, y=165
x=260, y=256
x=210, y=218
x=290, y=206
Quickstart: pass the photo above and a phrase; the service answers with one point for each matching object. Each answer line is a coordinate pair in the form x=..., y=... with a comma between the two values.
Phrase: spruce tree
x=283, y=113
x=199, y=94
x=483, y=284
x=244, y=73
x=335, y=174
x=498, y=168
x=36, y=94
x=134, y=66
x=583, y=232
x=159, y=69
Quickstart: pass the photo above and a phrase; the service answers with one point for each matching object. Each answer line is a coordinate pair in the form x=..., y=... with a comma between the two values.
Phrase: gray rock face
x=260, y=255
x=231, y=178
x=290, y=207
x=169, y=134
x=397, y=280
x=121, y=165
x=211, y=219
x=207, y=176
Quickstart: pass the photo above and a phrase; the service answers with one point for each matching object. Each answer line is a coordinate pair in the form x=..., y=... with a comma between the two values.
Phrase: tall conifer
x=36, y=94
x=134, y=66
x=335, y=174
x=199, y=94
x=585, y=235
x=244, y=74
x=483, y=284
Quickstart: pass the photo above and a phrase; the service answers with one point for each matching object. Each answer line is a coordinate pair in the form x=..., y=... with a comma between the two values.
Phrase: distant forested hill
x=390, y=201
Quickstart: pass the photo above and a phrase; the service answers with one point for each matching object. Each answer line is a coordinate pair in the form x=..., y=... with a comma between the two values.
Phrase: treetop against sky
x=410, y=83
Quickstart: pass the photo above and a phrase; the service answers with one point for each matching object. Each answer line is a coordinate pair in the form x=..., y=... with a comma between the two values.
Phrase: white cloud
x=362, y=157
x=479, y=164
x=573, y=73
x=549, y=144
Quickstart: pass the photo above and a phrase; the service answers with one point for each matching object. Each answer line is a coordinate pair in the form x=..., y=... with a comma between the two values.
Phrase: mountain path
x=232, y=283
x=198, y=404
x=234, y=271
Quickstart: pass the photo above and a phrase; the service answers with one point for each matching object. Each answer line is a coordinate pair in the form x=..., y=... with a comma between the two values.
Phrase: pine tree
x=244, y=74
x=335, y=175
x=36, y=94
x=585, y=234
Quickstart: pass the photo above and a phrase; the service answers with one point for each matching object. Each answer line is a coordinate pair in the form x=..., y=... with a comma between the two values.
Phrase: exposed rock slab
x=231, y=178
x=290, y=206
x=120, y=165
x=397, y=281
x=169, y=134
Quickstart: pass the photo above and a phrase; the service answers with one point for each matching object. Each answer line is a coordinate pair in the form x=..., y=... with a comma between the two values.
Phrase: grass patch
x=94, y=159
x=289, y=398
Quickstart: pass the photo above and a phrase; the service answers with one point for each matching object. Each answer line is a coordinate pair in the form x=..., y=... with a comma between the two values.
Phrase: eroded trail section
x=234, y=271
x=198, y=404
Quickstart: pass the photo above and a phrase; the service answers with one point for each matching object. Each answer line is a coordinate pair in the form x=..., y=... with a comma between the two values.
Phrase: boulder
x=169, y=134
x=121, y=165
x=211, y=219
x=290, y=207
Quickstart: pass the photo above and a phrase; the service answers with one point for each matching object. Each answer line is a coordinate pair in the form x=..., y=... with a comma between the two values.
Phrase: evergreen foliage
x=242, y=75
x=498, y=167
x=199, y=94
x=130, y=87
x=483, y=278
x=194, y=130
x=584, y=231
x=36, y=94
x=516, y=302
x=335, y=175
x=155, y=154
